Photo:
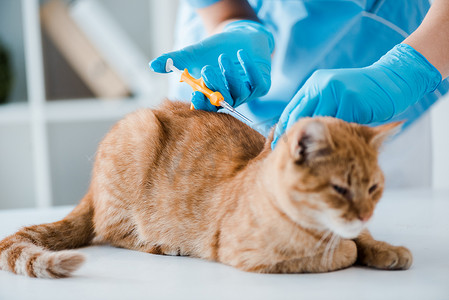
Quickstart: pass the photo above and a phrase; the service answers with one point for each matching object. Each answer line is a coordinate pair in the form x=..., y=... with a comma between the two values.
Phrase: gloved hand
x=364, y=95
x=235, y=62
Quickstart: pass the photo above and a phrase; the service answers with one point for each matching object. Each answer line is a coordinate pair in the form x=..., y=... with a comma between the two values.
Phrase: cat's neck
x=252, y=202
x=262, y=190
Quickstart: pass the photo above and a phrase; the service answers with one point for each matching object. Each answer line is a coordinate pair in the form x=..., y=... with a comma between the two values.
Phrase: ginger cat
x=180, y=182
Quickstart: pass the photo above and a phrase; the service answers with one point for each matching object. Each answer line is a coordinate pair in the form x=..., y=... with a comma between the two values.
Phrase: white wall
x=73, y=138
x=440, y=143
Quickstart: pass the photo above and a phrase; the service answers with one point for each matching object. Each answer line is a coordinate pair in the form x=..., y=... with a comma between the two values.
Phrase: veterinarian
x=366, y=61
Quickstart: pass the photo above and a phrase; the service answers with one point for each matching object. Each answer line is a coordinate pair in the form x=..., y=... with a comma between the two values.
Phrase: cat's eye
x=372, y=188
x=341, y=190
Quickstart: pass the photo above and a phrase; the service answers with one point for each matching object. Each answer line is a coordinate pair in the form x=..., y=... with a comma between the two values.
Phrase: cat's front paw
x=381, y=255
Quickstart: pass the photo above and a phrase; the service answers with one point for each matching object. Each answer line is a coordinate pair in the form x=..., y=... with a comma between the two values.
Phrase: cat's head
x=326, y=173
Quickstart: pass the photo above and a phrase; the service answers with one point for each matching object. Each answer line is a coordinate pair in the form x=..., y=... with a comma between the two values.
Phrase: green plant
x=5, y=74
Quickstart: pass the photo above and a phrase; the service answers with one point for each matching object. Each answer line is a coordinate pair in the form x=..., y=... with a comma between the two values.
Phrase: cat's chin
x=347, y=230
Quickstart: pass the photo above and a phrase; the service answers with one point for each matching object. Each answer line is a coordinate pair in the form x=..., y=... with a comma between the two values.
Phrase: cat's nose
x=365, y=216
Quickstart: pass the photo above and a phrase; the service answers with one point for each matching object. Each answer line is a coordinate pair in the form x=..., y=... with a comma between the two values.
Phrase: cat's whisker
x=336, y=241
x=324, y=256
x=321, y=240
x=330, y=253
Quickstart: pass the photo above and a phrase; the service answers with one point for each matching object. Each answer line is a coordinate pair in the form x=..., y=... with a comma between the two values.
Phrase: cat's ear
x=379, y=134
x=311, y=141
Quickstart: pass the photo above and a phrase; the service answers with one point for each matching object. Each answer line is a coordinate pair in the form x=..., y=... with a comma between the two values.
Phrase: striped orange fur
x=180, y=182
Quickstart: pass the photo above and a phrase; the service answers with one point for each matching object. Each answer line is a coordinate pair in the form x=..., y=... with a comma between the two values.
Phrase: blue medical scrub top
x=316, y=34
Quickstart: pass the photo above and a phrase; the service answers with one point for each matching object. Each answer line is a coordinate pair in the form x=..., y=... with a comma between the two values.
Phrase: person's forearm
x=216, y=16
x=431, y=39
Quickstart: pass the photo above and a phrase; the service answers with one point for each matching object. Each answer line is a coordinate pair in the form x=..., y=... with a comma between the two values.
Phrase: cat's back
x=173, y=138
x=207, y=134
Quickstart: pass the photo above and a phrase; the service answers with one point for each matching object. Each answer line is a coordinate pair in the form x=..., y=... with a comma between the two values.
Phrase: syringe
x=215, y=98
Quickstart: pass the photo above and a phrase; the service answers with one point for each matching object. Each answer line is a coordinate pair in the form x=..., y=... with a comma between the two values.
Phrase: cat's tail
x=35, y=251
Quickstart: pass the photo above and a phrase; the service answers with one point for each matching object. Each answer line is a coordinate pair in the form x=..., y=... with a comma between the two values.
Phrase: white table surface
x=418, y=219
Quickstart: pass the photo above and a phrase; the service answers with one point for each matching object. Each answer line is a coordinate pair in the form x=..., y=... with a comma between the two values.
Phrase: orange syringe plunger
x=215, y=98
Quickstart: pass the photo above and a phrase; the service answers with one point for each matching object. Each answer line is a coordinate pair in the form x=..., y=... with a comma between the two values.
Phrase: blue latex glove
x=235, y=62
x=364, y=95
